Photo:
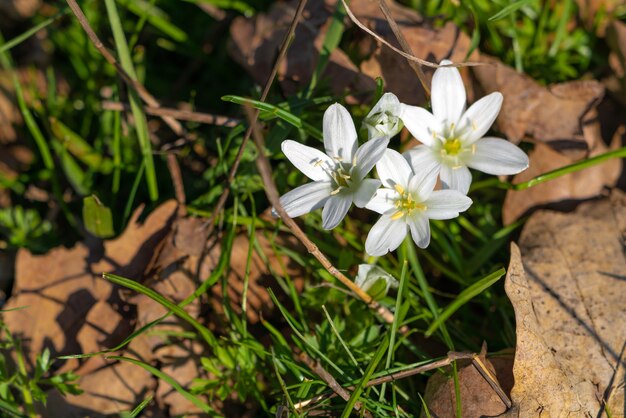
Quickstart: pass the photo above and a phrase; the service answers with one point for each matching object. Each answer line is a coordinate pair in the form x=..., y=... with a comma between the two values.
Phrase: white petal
x=305, y=199
x=388, y=102
x=458, y=178
x=313, y=163
x=393, y=169
x=497, y=156
x=446, y=204
x=420, y=122
x=335, y=210
x=420, y=157
x=420, y=230
x=369, y=154
x=480, y=116
x=448, y=94
x=423, y=182
x=386, y=235
x=365, y=192
x=383, y=201
x=339, y=133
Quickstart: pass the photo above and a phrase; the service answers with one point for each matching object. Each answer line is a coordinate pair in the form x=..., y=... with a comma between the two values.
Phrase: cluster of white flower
x=451, y=141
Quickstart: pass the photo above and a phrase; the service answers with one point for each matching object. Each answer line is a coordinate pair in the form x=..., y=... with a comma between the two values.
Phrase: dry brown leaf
x=427, y=42
x=72, y=310
x=616, y=38
x=561, y=192
x=255, y=44
x=478, y=398
x=554, y=114
x=18, y=10
x=566, y=282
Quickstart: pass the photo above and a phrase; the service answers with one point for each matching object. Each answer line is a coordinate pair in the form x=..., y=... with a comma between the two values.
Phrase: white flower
x=383, y=120
x=369, y=275
x=406, y=202
x=453, y=137
x=339, y=177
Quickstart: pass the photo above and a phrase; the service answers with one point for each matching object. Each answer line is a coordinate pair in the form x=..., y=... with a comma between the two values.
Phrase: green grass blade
x=155, y=17
x=138, y=409
x=240, y=6
x=356, y=394
x=331, y=42
x=511, y=8
x=11, y=410
x=275, y=111
x=169, y=380
x=464, y=297
x=166, y=303
x=80, y=148
x=394, y=326
x=141, y=124
x=30, y=32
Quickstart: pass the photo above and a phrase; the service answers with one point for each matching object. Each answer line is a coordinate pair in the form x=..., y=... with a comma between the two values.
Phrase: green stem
x=551, y=175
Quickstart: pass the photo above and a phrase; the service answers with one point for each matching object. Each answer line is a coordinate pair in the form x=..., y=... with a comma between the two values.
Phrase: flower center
x=342, y=177
x=452, y=146
x=405, y=204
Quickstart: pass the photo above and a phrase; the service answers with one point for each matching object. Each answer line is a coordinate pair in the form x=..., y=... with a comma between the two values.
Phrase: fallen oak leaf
x=71, y=310
x=561, y=192
x=255, y=42
x=569, y=308
x=554, y=115
x=426, y=41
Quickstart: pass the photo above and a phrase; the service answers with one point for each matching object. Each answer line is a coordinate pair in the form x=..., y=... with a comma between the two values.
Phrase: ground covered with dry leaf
x=143, y=273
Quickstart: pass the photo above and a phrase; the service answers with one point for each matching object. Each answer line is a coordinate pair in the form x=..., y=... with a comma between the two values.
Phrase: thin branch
x=176, y=127
x=233, y=170
x=177, y=181
x=452, y=356
x=328, y=378
x=186, y=115
x=265, y=170
x=409, y=57
x=405, y=46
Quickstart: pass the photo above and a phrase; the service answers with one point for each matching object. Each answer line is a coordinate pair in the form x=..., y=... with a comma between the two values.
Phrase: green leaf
x=98, y=218
x=169, y=380
x=275, y=111
x=464, y=297
x=78, y=147
x=157, y=297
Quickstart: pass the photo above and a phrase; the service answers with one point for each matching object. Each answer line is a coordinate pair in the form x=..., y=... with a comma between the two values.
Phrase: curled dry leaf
x=70, y=309
x=566, y=283
x=478, y=398
x=255, y=44
x=554, y=114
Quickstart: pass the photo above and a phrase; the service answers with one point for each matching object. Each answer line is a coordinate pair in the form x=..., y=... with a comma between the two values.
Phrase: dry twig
x=405, y=46
x=187, y=115
x=328, y=378
x=452, y=356
x=409, y=57
x=233, y=170
x=176, y=127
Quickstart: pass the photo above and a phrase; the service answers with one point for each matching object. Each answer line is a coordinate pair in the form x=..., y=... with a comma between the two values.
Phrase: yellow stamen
x=399, y=188
x=452, y=146
x=397, y=216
